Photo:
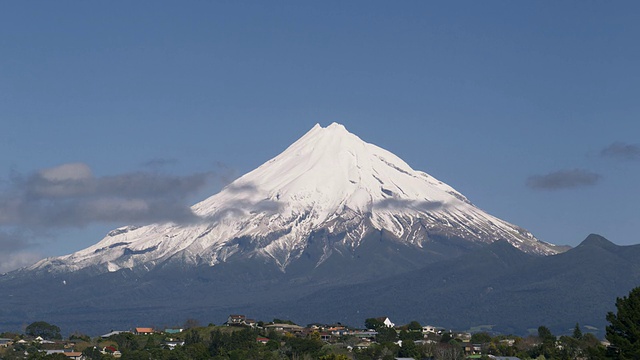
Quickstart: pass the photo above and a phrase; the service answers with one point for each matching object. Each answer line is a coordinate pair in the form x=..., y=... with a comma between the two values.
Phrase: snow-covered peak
x=329, y=180
x=330, y=168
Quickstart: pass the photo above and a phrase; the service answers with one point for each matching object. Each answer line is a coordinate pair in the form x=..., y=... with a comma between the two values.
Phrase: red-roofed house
x=143, y=331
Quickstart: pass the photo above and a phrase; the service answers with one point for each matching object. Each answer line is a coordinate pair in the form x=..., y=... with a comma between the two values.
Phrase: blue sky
x=530, y=109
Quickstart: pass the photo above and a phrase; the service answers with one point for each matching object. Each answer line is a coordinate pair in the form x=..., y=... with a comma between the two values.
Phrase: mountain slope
x=497, y=285
x=329, y=182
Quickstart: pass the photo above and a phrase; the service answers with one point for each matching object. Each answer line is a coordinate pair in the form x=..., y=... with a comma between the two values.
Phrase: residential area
x=241, y=337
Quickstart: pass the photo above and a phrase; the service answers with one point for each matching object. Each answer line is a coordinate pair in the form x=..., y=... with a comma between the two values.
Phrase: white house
x=5, y=342
x=385, y=320
x=429, y=329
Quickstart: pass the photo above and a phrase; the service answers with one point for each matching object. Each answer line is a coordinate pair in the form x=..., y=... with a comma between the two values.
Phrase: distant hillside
x=492, y=285
x=497, y=285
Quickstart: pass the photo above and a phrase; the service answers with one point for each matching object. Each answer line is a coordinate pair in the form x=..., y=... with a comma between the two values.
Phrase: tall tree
x=43, y=329
x=386, y=334
x=414, y=325
x=577, y=333
x=548, y=346
x=624, y=329
x=373, y=323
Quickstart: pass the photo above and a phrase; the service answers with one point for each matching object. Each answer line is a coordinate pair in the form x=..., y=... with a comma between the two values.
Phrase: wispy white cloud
x=71, y=196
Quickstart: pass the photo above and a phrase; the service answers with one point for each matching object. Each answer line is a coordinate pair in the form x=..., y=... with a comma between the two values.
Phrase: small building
x=171, y=344
x=75, y=355
x=143, y=331
x=5, y=342
x=109, y=349
x=365, y=334
x=56, y=351
x=285, y=327
x=386, y=321
x=116, y=332
x=173, y=331
x=471, y=349
x=429, y=329
x=236, y=319
x=262, y=340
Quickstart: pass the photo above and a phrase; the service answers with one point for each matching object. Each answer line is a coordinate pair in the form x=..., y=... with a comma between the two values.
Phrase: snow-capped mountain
x=328, y=182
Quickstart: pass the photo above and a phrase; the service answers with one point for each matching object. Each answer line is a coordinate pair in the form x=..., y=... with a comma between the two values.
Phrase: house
x=262, y=340
x=112, y=333
x=472, y=349
x=40, y=340
x=424, y=342
x=236, y=320
x=75, y=355
x=365, y=334
x=49, y=352
x=363, y=345
x=250, y=322
x=5, y=342
x=171, y=344
x=173, y=331
x=285, y=327
x=109, y=349
x=429, y=329
x=143, y=331
x=508, y=342
x=385, y=320
x=108, y=335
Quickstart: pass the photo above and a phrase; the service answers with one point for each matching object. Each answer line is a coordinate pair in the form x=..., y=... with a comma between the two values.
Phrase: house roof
x=285, y=326
x=113, y=333
x=144, y=330
x=173, y=331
